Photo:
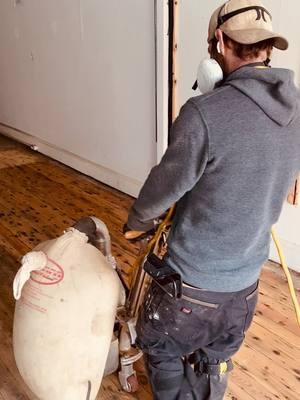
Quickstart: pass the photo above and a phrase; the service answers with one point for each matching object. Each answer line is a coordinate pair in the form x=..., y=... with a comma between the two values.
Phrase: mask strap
x=195, y=85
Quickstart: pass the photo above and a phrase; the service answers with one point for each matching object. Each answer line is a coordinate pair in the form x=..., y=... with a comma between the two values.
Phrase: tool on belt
x=164, y=276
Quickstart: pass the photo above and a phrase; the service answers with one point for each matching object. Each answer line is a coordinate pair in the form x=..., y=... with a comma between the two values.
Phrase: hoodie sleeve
x=180, y=168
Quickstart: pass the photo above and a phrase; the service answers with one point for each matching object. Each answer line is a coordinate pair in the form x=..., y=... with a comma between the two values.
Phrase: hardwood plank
x=273, y=346
x=91, y=188
x=69, y=200
x=11, y=244
x=9, y=387
x=50, y=218
x=274, y=275
x=271, y=376
x=20, y=156
x=283, y=299
x=271, y=312
x=242, y=386
x=275, y=328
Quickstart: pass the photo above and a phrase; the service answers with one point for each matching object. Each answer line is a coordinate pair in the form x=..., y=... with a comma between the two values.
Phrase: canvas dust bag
x=67, y=295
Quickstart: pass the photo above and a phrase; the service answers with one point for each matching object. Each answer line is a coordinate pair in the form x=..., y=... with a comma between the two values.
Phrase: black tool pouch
x=164, y=276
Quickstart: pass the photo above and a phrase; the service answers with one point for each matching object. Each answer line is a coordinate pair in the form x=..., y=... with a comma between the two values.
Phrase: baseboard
x=102, y=174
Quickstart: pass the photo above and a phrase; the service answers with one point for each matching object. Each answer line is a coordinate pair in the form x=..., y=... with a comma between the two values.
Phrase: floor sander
x=74, y=319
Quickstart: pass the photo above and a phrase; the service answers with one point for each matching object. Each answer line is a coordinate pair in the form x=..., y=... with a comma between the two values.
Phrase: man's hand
x=136, y=236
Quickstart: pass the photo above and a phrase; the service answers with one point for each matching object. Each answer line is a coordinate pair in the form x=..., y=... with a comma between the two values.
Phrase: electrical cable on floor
x=287, y=273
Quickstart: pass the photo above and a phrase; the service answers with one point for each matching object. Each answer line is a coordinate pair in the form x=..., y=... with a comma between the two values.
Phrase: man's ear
x=220, y=38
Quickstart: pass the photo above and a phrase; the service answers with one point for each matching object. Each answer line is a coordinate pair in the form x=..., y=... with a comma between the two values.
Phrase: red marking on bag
x=186, y=310
x=33, y=306
x=52, y=274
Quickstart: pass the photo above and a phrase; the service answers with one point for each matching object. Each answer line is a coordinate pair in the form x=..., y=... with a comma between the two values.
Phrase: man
x=233, y=154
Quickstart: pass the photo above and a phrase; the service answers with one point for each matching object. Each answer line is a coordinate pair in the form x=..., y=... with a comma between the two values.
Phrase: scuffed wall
x=80, y=74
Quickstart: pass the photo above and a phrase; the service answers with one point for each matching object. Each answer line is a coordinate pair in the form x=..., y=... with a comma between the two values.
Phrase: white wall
x=80, y=75
x=192, y=47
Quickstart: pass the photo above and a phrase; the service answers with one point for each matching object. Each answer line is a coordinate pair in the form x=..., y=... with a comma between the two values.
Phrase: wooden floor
x=40, y=197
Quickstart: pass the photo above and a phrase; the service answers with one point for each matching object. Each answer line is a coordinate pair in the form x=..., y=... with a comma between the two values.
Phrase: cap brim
x=252, y=36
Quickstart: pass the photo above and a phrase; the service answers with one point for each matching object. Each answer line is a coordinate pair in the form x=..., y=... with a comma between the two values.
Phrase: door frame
x=162, y=75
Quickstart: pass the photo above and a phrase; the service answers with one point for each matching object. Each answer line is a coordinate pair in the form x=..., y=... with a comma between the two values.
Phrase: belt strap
x=217, y=369
x=202, y=365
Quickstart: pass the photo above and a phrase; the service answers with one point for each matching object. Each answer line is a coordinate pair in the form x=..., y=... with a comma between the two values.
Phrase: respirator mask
x=209, y=75
x=210, y=72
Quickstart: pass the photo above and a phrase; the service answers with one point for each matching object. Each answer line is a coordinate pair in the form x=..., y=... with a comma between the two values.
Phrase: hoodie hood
x=272, y=89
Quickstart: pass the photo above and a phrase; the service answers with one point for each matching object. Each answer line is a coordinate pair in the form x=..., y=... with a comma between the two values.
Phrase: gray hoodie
x=233, y=155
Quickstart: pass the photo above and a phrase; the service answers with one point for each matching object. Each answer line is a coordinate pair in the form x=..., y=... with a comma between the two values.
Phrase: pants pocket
x=149, y=332
x=194, y=320
x=148, y=340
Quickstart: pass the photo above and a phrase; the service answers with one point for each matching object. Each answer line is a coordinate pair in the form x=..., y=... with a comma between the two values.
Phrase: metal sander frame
x=127, y=315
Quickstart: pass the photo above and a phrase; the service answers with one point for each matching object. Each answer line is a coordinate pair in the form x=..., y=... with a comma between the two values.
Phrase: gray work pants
x=169, y=330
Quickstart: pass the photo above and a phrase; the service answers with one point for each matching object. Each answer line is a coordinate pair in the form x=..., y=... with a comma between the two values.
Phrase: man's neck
x=237, y=63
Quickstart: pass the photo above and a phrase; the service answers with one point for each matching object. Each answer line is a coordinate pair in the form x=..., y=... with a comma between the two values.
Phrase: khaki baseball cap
x=246, y=22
